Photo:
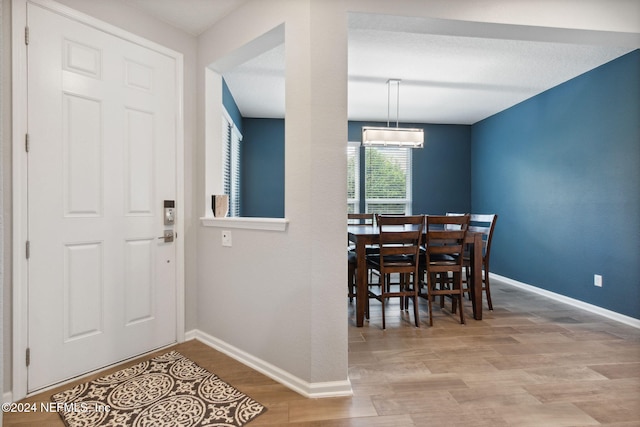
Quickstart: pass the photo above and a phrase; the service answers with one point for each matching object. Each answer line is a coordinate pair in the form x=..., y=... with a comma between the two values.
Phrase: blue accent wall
x=562, y=170
x=441, y=171
x=262, y=180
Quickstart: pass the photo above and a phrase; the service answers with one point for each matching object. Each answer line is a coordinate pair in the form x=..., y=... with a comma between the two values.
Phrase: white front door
x=102, y=120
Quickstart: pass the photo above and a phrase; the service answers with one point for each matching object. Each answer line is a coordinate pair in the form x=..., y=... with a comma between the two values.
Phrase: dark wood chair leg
x=351, y=282
x=487, y=289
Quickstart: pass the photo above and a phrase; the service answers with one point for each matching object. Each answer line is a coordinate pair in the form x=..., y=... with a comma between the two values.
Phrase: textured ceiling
x=192, y=16
x=452, y=79
x=450, y=71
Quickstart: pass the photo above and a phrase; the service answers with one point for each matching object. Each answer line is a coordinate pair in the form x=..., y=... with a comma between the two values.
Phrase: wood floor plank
x=612, y=410
x=530, y=362
x=550, y=415
x=618, y=370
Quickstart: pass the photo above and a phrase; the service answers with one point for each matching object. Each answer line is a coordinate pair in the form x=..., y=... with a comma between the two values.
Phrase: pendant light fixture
x=392, y=136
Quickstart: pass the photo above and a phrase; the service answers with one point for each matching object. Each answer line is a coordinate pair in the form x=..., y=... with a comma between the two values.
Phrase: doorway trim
x=19, y=186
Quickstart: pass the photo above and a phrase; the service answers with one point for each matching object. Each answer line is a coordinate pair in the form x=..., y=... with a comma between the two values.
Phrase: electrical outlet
x=226, y=238
x=597, y=280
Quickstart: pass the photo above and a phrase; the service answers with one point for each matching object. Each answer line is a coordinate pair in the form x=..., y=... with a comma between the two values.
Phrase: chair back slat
x=477, y=229
x=360, y=219
x=488, y=218
x=485, y=224
x=445, y=241
x=400, y=240
x=448, y=249
x=481, y=223
x=453, y=226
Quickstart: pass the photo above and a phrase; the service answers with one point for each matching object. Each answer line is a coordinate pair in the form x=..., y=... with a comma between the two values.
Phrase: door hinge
x=26, y=35
x=28, y=249
x=28, y=356
x=26, y=143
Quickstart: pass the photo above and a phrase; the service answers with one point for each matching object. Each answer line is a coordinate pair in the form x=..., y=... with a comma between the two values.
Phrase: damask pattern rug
x=168, y=390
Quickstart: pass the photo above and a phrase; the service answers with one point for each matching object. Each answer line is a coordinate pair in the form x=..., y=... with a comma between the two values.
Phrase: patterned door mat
x=168, y=390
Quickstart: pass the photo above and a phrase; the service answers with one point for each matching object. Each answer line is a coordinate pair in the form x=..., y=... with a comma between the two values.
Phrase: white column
x=315, y=175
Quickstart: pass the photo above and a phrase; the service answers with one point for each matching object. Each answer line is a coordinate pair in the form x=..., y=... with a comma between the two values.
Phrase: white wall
x=288, y=316
x=136, y=22
x=3, y=107
x=5, y=158
x=279, y=296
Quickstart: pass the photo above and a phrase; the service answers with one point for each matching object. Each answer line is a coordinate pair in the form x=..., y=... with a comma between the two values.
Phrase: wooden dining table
x=366, y=235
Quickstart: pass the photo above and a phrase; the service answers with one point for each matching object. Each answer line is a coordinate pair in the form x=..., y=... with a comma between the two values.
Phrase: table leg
x=476, y=276
x=361, y=280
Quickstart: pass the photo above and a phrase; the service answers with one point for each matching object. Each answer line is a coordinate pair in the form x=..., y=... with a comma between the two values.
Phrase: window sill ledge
x=247, y=223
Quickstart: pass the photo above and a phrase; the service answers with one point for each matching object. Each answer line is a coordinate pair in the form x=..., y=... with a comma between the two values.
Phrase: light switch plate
x=226, y=238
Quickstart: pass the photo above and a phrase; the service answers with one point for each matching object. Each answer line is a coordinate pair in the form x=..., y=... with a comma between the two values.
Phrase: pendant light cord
x=397, y=81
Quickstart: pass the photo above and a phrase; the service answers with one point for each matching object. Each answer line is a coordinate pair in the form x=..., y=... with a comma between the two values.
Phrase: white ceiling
x=450, y=72
x=192, y=16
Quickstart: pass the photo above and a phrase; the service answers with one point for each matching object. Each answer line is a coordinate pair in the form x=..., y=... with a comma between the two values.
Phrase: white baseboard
x=191, y=335
x=627, y=320
x=310, y=390
x=343, y=388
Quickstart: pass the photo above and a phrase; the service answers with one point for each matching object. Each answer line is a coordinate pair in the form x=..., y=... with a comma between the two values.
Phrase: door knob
x=168, y=236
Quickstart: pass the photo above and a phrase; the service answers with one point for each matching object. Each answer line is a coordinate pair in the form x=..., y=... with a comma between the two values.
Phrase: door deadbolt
x=169, y=212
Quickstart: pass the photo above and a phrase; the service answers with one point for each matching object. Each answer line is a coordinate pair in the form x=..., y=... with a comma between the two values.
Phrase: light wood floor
x=530, y=362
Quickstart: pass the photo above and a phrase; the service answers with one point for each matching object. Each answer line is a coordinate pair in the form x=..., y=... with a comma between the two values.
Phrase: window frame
x=406, y=201
x=355, y=202
x=231, y=163
x=213, y=165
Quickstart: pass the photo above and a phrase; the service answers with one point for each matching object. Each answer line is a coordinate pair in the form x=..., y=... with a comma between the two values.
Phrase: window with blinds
x=388, y=180
x=353, y=177
x=231, y=139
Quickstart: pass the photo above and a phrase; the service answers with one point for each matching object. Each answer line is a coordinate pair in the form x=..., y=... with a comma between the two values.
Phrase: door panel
x=82, y=156
x=83, y=290
x=139, y=279
x=102, y=124
x=139, y=164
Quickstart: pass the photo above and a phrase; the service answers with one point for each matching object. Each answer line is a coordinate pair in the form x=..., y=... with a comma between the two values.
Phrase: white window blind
x=231, y=163
x=388, y=180
x=353, y=177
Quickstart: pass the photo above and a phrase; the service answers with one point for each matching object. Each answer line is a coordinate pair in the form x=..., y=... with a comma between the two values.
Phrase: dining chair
x=360, y=218
x=399, y=245
x=485, y=224
x=355, y=219
x=443, y=259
